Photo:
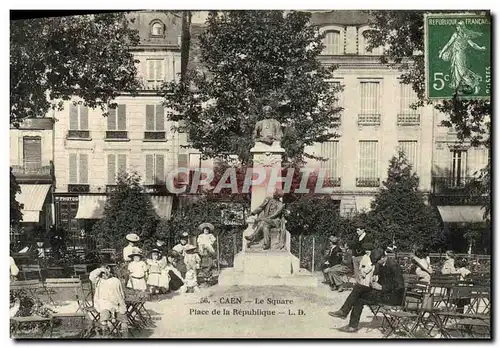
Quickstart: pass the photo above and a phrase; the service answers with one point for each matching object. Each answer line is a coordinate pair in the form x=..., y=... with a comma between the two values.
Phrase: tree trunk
x=185, y=42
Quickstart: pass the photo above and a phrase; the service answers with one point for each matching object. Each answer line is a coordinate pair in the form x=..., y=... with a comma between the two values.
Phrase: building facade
x=377, y=119
x=90, y=150
x=31, y=160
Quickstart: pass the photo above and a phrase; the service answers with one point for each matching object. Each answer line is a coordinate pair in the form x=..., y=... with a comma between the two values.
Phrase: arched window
x=332, y=42
x=157, y=29
x=363, y=44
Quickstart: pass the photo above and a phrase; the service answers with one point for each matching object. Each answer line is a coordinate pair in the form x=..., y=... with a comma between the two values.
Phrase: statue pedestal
x=254, y=266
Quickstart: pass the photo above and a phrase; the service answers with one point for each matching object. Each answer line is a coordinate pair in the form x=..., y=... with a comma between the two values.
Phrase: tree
x=53, y=59
x=399, y=212
x=250, y=58
x=402, y=35
x=16, y=214
x=127, y=210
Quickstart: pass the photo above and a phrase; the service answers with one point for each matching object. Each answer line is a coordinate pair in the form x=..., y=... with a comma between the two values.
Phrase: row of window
x=334, y=43
x=368, y=160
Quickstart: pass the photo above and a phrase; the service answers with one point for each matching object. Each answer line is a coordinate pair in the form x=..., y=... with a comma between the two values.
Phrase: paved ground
x=183, y=316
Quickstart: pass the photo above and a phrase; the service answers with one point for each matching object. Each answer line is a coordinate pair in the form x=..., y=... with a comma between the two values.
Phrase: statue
x=269, y=217
x=267, y=131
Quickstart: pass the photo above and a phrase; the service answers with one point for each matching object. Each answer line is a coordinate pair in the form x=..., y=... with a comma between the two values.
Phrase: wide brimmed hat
x=184, y=235
x=136, y=251
x=206, y=225
x=189, y=247
x=173, y=253
x=132, y=237
x=333, y=239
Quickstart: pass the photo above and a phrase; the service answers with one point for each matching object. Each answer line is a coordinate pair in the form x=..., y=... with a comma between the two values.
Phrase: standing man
x=358, y=251
x=388, y=290
x=132, y=239
x=334, y=268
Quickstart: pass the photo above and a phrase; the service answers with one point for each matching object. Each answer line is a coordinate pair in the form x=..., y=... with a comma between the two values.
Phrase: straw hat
x=206, y=225
x=184, y=235
x=132, y=237
x=154, y=251
x=136, y=251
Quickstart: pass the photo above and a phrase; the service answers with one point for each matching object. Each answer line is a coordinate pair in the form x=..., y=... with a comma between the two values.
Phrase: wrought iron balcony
x=332, y=182
x=454, y=185
x=116, y=135
x=78, y=134
x=367, y=182
x=154, y=135
x=78, y=188
x=442, y=199
x=408, y=119
x=33, y=170
x=369, y=119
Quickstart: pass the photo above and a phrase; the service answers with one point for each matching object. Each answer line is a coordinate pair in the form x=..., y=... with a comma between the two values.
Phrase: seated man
x=109, y=298
x=389, y=290
x=334, y=267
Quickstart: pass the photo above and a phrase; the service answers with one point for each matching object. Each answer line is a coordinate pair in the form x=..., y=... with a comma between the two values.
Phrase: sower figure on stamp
x=269, y=217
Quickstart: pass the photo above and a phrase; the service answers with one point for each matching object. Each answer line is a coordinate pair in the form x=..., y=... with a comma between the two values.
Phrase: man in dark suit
x=358, y=250
x=388, y=290
x=334, y=268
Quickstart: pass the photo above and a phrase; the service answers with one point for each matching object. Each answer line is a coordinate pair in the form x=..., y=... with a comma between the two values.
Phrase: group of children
x=176, y=271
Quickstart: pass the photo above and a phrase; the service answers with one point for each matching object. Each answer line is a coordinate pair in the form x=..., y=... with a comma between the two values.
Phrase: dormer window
x=364, y=43
x=333, y=40
x=157, y=28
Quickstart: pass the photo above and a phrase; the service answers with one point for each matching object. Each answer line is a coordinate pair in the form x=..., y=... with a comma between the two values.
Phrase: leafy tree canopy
x=399, y=213
x=251, y=58
x=16, y=214
x=56, y=58
x=127, y=210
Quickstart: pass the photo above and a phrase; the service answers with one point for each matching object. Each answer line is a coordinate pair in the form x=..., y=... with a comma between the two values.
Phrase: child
x=206, y=249
x=180, y=249
x=192, y=261
x=137, y=269
x=175, y=280
x=109, y=298
x=155, y=280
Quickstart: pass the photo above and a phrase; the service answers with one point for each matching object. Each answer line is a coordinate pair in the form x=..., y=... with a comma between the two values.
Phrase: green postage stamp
x=458, y=56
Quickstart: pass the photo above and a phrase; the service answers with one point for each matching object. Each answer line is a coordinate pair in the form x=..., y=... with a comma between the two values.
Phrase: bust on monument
x=268, y=130
x=269, y=216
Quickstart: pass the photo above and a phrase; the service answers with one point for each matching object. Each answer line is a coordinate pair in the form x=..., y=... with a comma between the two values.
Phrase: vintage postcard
x=250, y=174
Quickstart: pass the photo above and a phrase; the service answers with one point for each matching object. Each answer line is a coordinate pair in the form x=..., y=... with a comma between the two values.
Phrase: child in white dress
x=156, y=276
x=138, y=269
x=192, y=261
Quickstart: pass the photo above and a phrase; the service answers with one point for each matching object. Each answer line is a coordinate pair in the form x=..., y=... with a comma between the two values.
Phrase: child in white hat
x=138, y=269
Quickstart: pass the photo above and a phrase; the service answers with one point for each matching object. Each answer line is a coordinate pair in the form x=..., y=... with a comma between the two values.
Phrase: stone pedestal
x=257, y=267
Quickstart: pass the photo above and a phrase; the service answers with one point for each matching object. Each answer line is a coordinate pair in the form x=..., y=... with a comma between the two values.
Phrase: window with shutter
x=111, y=169
x=368, y=164
x=84, y=171
x=122, y=117
x=155, y=123
x=155, y=73
x=410, y=148
x=112, y=119
x=332, y=43
x=73, y=168
x=32, y=154
x=370, y=103
x=407, y=115
x=117, y=123
x=183, y=162
x=329, y=150
x=458, y=168
x=78, y=122
x=159, y=169
x=149, y=169
x=363, y=46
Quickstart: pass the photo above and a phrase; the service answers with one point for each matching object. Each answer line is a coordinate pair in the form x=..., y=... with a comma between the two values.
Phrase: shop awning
x=163, y=206
x=32, y=197
x=461, y=213
x=90, y=207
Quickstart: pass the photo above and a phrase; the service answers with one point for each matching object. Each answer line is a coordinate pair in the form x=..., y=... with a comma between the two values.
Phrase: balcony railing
x=367, y=182
x=369, y=119
x=78, y=188
x=116, y=134
x=458, y=200
x=453, y=185
x=31, y=170
x=78, y=134
x=151, y=85
x=332, y=182
x=408, y=119
x=154, y=135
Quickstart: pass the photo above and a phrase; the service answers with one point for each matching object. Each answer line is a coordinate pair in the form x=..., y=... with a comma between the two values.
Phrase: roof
x=340, y=17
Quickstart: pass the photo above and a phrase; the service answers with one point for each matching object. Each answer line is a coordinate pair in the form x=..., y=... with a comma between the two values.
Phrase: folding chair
x=79, y=270
x=30, y=269
x=31, y=286
x=17, y=324
x=65, y=283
